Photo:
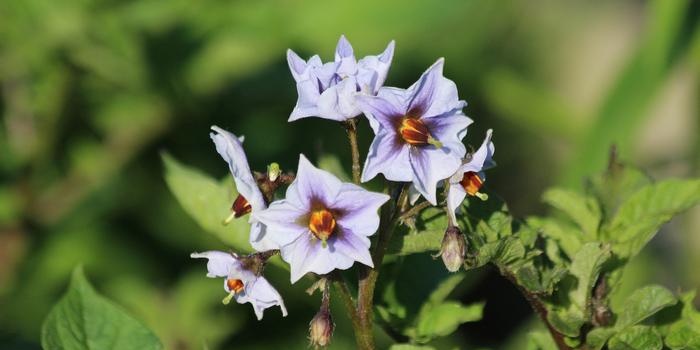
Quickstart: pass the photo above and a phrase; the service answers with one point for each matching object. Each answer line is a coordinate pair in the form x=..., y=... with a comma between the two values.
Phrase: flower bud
x=453, y=249
x=321, y=329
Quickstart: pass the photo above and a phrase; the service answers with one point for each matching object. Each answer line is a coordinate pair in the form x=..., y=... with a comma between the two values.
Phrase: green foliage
x=208, y=202
x=85, y=320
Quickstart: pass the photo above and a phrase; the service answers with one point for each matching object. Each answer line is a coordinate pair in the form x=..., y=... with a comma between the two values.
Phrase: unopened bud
x=453, y=249
x=321, y=329
x=273, y=172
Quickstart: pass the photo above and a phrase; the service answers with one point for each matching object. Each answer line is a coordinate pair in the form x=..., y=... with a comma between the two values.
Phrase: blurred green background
x=93, y=91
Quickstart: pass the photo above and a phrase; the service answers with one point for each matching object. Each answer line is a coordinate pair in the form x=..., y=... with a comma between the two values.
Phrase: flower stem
x=368, y=276
x=351, y=128
x=414, y=211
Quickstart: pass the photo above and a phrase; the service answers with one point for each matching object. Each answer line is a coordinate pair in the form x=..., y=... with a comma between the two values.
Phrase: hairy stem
x=368, y=276
x=414, y=211
x=346, y=297
x=539, y=308
x=351, y=128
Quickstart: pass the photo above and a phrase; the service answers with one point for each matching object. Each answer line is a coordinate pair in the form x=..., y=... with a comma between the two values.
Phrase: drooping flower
x=323, y=224
x=419, y=138
x=321, y=329
x=240, y=283
x=249, y=199
x=469, y=178
x=328, y=90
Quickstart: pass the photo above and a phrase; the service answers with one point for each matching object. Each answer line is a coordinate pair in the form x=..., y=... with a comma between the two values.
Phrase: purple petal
x=354, y=247
x=372, y=70
x=296, y=65
x=306, y=102
x=343, y=49
x=311, y=185
x=449, y=128
x=383, y=110
x=338, y=101
x=394, y=96
x=282, y=221
x=387, y=155
x=480, y=160
x=231, y=149
x=431, y=165
x=261, y=295
x=433, y=94
x=307, y=254
x=359, y=208
x=219, y=264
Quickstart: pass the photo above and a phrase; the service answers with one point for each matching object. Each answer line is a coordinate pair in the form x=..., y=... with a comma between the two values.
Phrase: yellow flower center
x=322, y=224
x=471, y=182
x=234, y=285
x=416, y=133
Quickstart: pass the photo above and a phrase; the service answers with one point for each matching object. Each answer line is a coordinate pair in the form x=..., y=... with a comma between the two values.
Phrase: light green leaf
x=208, y=202
x=596, y=338
x=583, y=210
x=541, y=341
x=684, y=333
x=83, y=319
x=639, y=218
x=644, y=303
x=636, y=338
x=331, y=164
x=444, y=319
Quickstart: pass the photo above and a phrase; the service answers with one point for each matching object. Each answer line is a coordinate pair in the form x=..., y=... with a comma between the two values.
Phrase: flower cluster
x=322, y=224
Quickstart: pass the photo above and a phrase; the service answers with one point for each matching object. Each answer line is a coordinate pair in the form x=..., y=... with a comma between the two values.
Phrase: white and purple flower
x=242, y=284
x=328, y=90
x=469, y=178
x=323, y=224
x=419, y=132
x=250, y=198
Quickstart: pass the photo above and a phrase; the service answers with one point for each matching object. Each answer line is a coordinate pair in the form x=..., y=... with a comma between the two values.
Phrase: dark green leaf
x=85, y=320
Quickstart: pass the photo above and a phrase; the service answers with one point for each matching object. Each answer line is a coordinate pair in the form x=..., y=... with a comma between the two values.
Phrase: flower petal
x=480, y=160
x=372, y=70
x=384, y=110
x=262, y=295
x=359, y=209
x=433, y=94
x=388, y=156
x=354, y=247
x=219, y=264
x=259, y=239
x=308, y=92
x=455, y=197
x=282, y=221
x=231, y=149
x=431, y=165
x=312, y=184
x=338, y=101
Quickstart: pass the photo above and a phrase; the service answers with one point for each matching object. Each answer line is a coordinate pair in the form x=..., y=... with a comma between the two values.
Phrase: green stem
x=368, y=276
x=351, y=128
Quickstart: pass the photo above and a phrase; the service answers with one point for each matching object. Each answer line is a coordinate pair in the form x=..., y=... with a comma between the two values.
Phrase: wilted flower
x=249, y=199
x=420, y=131
x=453, y=249
x=241, y=283
x=469, y=178
x=328, y=90
x=323, y=224
x=321, y=328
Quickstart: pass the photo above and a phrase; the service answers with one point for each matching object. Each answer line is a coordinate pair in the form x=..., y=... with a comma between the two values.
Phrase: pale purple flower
x=240, y=283
x=250, y=199
x=467, y=180
x=328, y=90
x=419, y=138
x=323, y=224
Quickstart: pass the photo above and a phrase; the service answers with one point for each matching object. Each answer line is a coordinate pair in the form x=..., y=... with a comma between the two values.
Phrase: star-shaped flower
x=249, y=199
x=240, y=283
x=323, y=224
x=328, y=90
x=469, y=178
x=419, y=134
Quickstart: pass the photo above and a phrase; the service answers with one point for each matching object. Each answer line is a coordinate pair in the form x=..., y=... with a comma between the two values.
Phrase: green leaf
x=541, y=341
x=444, y=319
x=410, y=347
x=331, y=164
x=684, y=332
x=639, y=218
x=644, y=303
x=85, y=320
x=597, y=337
x=207, y=201
x=636, y=338
x=583, y=210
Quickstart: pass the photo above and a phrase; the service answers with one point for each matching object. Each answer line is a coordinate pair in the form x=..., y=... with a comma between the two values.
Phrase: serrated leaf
x=208, y=202
x=444, y=319
x=636, y=338
x=639, y=218
x=644, y=303
x=581, y=209
x=83, y=319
